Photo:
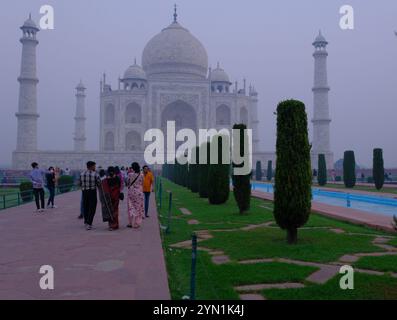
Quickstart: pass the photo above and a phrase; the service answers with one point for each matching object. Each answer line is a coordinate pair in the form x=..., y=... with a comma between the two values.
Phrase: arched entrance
x=133, y=141
x=182, y=113
x=109, y=141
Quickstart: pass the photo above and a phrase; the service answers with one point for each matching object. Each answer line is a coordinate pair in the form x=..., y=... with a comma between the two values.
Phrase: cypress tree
x=242, y=183
x=258, y=171
x=292, y=196
x=322, y=170
x=219, y=176
x=349, y=169
x=269, y=173
x=378, y=169
x=203, y=172
x=194, y=176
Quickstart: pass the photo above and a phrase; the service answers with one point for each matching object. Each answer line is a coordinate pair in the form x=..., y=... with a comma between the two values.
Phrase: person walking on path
x=37, y=178
x=135, y=197
x=50, y=179
x=89, y=181
x=120, y=174
x=109, y=191
x=148, y=180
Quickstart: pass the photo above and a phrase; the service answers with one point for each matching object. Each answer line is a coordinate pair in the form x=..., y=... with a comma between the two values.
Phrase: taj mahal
x=174, y=83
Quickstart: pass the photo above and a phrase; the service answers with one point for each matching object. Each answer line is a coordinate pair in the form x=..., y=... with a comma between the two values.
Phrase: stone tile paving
x=96, y=264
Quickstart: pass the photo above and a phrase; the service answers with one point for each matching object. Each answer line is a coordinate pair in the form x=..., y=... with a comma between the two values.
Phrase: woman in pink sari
x=135, y=197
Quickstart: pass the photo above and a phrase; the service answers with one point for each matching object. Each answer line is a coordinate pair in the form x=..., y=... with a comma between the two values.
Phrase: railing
x=356, y=197
x=13, y=199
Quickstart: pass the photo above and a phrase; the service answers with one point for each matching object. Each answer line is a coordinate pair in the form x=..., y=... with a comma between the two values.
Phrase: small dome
x=320, y=40
x=219, y=75
x=80, y=86
x=134, y=72
x=29, y=23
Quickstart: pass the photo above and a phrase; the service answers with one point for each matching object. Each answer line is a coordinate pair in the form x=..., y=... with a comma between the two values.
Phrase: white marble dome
x=134, y=72
x=175, y=52
x=219, y=75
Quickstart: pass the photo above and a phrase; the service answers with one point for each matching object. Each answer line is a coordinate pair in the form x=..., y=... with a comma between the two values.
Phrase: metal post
x=268, y=188
x=193, y=271
x=348, y=201
x=4, y=201
x=19, y=198
x=169, y=214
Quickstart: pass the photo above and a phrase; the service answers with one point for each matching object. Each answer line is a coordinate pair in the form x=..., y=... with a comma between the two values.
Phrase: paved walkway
x=97, y=264
x=377, y=221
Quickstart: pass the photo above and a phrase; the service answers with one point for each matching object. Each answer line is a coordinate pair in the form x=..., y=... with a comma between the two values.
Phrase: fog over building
x=174, y=83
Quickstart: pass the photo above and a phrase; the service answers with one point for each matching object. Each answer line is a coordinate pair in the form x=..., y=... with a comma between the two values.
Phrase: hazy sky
x=268, y=42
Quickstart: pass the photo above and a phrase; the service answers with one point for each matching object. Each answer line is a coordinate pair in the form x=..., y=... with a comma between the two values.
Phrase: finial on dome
x=175, y=14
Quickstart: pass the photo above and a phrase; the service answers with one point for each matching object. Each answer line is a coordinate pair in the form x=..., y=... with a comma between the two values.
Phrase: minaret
x=254, y=120
x=79, y=131
x=321, y=119
x=27, y=106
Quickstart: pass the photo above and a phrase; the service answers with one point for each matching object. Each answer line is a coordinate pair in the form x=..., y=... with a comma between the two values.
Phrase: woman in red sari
x=109, y=192
x=114, y=184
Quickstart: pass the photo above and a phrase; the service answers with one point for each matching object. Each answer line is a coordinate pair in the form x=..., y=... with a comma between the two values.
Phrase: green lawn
x=382, y=263
x=393, y=242
x=314, y=245
x=217, y=281
x=366, y=287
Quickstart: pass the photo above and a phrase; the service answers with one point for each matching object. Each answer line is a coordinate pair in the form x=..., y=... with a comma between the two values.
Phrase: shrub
x=242, y=183
x=378, y=170
x=322, y=170
x=258, y=171
x=26, y=191
x=349, y=169
x=292, y=196
x=219, y=175
x=370, y=180
x=65, y=184
x=338, y=178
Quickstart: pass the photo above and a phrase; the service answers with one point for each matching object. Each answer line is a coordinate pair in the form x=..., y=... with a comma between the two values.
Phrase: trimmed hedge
x=349, y=169
x=26, y=191
x=65, y=183
x=242, y=183
x=322, y=170
x=258, y=171
x=378, y=169
x=218, y=176
x=269, y=173
x=203, y=172
x=292, y=194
